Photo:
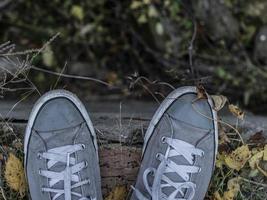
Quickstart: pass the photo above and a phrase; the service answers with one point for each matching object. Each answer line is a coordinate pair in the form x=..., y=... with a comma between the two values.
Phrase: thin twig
x=253, y=182
x=63, y=69
x=72, y=76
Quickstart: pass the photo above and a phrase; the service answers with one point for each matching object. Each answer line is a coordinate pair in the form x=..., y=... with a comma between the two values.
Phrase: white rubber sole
x=166, y=104
x=44, y=99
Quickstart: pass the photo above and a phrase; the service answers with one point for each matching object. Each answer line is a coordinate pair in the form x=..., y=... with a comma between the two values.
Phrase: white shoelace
x=175, y=148
x=68, y=175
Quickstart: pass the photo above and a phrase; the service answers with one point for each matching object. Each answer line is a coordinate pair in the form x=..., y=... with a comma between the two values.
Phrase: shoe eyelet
x=163, y=139
x=85, y=164
x=39, y=171
x=39, y=155
x=199, y=170
x=158, y=156
x=83, y=146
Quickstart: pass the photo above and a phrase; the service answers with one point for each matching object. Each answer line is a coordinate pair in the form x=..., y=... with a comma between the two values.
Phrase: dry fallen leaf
x=118, y=193
x=233, y=188
x=217, y=196
x=223, y=136
x=14, y=174
x=238, y=158
x=257, y=138
x=236, y=111
x=201, y=92
x=219, y=101
x=255, y=159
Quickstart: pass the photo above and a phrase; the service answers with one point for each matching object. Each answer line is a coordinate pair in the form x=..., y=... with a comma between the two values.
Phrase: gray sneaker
x=179, y=150
x=61, y=157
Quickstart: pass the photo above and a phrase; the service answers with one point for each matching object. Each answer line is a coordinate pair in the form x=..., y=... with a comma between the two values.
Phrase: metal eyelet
x=86, y=164
x=39, y=155
x=199, y=169
x=158, y=156
x=39, y=171
x=163, y=139
x=83, y=146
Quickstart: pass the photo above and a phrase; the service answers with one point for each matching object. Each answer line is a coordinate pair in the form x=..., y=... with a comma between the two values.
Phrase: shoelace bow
x=68, y=175
x=175, y=148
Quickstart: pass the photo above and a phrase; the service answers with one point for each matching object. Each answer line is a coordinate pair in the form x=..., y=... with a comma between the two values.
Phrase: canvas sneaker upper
x=179, y=150
x=61, y=159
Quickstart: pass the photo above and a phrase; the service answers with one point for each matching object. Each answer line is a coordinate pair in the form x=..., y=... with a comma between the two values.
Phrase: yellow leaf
x=255, y=160
x=14, y=175
x=118, y=193
x=77, y=12
x=265, y=153
x=233, y=188
x=233, y=184
x=219, y=101
x=238, y=158
x=236, y=111
x=217, y=196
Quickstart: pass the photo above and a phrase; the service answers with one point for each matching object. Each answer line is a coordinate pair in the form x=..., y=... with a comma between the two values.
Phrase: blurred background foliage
x=112, y=39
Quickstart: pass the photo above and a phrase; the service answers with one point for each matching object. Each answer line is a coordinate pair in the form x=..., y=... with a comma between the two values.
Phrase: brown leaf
x=201, y=92
x=236, y=111
x=223, y=136
x=219, y=101
x=257, y=138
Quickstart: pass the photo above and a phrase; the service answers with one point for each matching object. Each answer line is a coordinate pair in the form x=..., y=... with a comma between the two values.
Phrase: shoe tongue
x=57, y=138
